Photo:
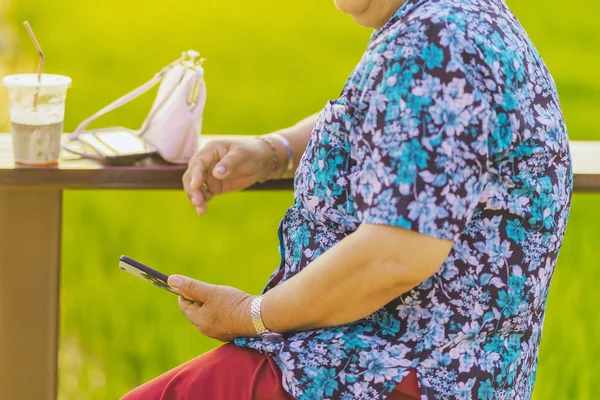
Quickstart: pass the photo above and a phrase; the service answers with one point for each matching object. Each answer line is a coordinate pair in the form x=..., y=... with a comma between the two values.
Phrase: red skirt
x=234, y=373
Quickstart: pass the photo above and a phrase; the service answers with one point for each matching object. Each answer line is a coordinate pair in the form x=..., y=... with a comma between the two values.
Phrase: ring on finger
x=205, y=190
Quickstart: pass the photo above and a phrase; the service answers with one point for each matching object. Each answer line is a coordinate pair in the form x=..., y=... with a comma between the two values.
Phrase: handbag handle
x=134, y=94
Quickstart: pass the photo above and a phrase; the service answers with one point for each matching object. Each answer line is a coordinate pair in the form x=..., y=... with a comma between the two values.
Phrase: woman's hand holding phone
x=219, y=312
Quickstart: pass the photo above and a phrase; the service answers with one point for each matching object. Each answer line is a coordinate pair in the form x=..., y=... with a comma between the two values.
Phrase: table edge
x=169, y=177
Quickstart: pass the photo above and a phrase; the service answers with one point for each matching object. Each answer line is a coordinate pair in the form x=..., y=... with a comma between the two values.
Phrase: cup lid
x=31, y=80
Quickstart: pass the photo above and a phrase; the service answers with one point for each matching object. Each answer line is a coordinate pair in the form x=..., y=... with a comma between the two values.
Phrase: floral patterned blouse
x=450, y=126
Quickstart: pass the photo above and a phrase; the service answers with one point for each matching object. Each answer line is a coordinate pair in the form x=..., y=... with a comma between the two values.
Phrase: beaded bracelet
x=275, y=157
x=289, y=169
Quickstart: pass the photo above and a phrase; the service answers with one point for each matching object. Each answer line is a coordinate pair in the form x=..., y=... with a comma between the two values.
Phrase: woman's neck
x=378, y=13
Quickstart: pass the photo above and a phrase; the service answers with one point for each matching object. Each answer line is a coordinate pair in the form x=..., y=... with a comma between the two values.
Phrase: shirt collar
x=404, y=8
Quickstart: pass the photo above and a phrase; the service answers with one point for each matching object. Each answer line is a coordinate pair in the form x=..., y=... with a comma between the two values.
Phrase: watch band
x=257, y=321
x=256, y=315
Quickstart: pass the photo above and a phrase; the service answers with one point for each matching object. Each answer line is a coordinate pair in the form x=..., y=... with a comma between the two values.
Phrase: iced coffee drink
x=37, y=110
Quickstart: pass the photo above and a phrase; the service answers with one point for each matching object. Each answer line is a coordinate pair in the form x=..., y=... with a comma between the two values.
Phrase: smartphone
x=145, y=272
x=112, y=146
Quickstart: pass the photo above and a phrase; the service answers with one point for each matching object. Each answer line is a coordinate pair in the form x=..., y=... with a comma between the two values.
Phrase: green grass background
x=269, y=64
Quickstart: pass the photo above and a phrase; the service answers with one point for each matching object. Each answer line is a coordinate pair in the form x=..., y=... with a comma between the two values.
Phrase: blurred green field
x=269, y=64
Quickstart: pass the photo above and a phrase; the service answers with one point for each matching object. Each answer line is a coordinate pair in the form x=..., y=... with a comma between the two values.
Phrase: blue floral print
x=450, y=126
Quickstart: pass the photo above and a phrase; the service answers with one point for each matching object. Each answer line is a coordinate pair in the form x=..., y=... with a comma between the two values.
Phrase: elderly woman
x=431, y=200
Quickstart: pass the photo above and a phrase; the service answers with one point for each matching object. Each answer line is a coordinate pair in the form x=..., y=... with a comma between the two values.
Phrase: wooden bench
x=30, y=231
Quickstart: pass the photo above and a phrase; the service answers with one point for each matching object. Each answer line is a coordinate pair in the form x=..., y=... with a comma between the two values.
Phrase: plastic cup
x=37, y=125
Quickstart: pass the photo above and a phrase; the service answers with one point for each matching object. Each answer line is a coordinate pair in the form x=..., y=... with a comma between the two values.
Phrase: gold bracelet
x=275, y=157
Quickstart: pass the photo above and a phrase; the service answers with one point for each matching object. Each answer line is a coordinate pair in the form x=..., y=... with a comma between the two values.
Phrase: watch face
x=272, y=337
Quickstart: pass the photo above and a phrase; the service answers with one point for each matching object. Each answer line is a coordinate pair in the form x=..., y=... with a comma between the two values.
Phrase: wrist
x=289, y=160
x=245, y=318
x=257, y=320
x=276, y=158
x=283, y=154
x=270, y=159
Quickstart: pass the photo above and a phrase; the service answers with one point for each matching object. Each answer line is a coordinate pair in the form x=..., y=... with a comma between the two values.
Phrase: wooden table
x=30, y=230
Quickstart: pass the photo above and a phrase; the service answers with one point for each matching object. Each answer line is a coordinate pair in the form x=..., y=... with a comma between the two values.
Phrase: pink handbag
x=172, y=127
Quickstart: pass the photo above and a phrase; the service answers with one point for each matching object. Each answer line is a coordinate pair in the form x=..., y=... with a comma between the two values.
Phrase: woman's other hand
x=226, y=165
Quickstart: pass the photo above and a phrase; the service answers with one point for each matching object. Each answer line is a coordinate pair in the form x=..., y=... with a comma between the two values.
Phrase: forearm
x=352, y=280
x=298, y=136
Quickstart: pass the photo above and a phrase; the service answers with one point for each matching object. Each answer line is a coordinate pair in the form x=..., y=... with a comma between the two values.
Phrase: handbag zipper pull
x=194, y=92
x=191, y=59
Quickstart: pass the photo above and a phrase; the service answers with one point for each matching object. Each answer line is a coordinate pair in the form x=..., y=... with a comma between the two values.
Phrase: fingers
x=192, y=180
x=192, y=289
x=206, y=193
x=190, y=310
x=197, y=316
x=196, y=178
x=228, y=164
x=193, y=177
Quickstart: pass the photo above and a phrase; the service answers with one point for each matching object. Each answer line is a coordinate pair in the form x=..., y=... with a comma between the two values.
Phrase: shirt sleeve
x=421, y=145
